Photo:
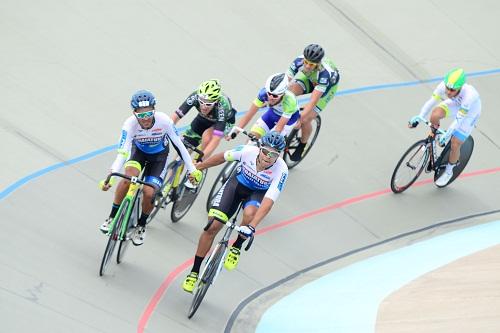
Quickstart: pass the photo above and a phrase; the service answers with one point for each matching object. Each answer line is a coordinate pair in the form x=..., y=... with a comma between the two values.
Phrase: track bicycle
x=214, y=262
x=125, y=220
x=227, y=171
x=175, y=191
x=423, y=155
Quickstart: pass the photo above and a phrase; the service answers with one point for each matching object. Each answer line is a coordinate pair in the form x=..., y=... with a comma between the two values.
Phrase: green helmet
x=455, y=79
x=210, y=90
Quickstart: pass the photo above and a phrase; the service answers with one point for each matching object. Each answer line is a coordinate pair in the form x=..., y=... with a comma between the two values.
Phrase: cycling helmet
x=277, y=84
x=210, y=90
x=274, y=139
x=314, y=53
x=455, y=79
x=142, y=98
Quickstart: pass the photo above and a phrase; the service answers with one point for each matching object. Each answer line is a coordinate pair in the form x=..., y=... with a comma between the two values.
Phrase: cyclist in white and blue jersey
x=259, y=179
x=145, y=138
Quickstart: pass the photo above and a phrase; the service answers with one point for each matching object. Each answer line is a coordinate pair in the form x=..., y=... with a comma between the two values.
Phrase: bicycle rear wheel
x=207, y=277
x=185, y=198
x=410, y=166
x=114, y=237
x=293, y=141
x=221, y=179
x=465, y=153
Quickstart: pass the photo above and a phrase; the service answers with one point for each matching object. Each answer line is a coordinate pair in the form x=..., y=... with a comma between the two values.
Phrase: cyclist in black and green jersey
x=216, y=115
x=313, y=73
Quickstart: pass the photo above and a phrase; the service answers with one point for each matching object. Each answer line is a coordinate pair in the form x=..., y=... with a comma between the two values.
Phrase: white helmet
x=277, y=84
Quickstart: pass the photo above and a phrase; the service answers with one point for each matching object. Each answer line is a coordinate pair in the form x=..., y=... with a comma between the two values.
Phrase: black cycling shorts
x=232, y=193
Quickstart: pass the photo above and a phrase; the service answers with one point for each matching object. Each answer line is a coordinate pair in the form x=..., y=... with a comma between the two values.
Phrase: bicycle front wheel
x=114, y=237
x=410, y=166
x=128, y=228
x=186, y=197
x=221, y=179
x=207, y=277
x=161, y=201
x=293, y=141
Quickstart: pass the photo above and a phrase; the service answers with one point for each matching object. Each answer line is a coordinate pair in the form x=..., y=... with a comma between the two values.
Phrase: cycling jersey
x=285, y=108
x=154, y=140
x=322, y=78
x=222, y=112
x=272, y=179
x=465, y=107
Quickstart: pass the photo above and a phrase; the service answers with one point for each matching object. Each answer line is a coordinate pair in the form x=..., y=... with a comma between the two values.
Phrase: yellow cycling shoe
x=190, y=282
x=232, y=258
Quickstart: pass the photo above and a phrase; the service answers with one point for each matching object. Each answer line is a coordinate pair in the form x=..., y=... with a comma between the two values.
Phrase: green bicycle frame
x=128, y=201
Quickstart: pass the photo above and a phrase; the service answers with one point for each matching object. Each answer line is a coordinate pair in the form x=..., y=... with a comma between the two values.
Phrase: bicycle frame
x=130, y=198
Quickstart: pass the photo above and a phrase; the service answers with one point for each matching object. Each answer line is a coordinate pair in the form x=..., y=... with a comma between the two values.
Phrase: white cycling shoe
x=139, y=235
x=444, y=178
x=105, y=226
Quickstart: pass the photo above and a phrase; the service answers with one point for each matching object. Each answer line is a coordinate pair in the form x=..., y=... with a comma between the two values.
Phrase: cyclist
x=145, y=138
x=215, y=115
x=282, y=111
x=260, y=178
x=312, y=73
x=452, y=97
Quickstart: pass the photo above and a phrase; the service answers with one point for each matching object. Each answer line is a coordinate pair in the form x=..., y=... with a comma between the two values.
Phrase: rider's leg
x=206, y=137
x=248, y=214
x=132, y=168
x=437, y=114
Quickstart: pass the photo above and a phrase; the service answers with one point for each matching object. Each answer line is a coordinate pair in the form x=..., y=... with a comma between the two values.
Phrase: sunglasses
x=202, y=102
x=269, y=153
x=307, y=62
x=144, y=115
x=452, y=90
x=274, y=95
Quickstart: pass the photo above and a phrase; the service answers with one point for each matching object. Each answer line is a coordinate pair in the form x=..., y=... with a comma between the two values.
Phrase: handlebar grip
x=250, y=241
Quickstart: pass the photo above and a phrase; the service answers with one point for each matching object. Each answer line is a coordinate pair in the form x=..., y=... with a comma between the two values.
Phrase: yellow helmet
x=210, y=90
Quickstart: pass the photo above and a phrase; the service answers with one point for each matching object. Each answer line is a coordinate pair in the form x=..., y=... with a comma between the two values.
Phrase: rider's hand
x=443, y=138
x=232, y=133
x=106, y=186
x=195, y=177
x=414, y=122
x=247, y=231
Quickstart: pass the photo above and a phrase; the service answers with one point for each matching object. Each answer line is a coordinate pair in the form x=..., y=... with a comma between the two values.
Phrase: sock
x=197, y=264
x=239, y=242
x=114, y=210
x=449, y=167
x=143, y=219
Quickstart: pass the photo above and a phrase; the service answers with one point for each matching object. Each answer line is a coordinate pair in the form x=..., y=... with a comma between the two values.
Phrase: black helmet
x=314, y=53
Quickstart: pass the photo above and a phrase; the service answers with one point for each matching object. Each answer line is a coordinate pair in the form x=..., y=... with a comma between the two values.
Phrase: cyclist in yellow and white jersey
x=452, y=97
x=281, y=112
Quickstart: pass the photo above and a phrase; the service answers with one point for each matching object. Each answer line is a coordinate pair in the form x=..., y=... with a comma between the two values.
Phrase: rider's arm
x=280, y=125
x=213, y=160
x=315, y=96
x=258, y=102
x=177, y=142
x=294, y=68
x=264, y=209
x=125, y=144
x=184, y=108
x=290, y=106
x=433, y=101
x=212, y=144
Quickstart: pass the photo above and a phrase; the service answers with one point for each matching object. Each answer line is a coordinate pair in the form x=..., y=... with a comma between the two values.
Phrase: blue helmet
x=142, y=98
x=274, y=139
